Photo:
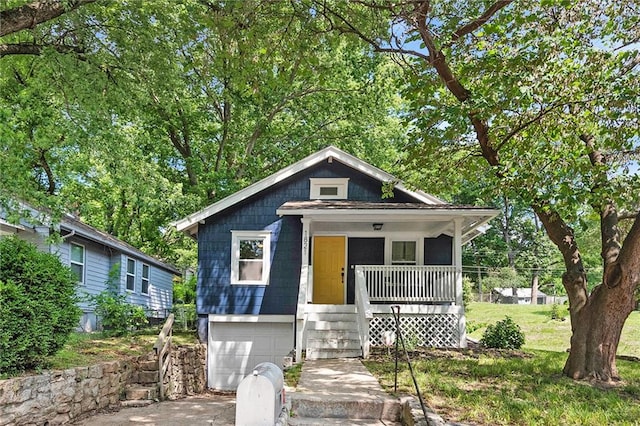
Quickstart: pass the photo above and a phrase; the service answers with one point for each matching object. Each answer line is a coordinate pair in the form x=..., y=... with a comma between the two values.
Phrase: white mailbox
x=260, y=396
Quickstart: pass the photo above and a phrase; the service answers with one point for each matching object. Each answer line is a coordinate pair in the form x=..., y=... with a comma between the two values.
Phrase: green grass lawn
x=541, y=332
x=83, y=349
x=490, y=387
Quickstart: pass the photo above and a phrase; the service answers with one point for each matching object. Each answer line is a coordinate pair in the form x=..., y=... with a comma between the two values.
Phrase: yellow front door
x=328, y=270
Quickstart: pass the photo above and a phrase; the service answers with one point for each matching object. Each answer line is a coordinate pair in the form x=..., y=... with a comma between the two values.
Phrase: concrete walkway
x=330, y=392
x=341, y=391
x=212, y=410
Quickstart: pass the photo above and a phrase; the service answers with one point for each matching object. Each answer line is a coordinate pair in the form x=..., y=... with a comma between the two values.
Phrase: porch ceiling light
x=377, y=226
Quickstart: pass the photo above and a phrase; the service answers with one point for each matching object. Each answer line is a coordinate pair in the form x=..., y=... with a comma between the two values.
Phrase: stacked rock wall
x=61, y=396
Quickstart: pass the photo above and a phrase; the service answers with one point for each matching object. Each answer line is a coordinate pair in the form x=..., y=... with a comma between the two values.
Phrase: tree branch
x=35, y=13
x=626, y=215
x=477, y=23
x=36, y=49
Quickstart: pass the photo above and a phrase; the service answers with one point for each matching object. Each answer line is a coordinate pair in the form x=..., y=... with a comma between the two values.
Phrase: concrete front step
x=321, y=407
x=332, y=325
x=141, y=393
x=324, y=353
x=306, y=421
x=334, y=334
x=333, y=343
x=332, y=316
x=310, y=308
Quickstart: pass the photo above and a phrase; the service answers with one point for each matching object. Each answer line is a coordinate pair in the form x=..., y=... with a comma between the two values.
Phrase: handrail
x=301, y=314
x=363, y=310
x=162, y=348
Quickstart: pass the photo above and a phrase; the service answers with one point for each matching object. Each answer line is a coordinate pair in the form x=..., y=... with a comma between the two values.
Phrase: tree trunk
x=596, y=333
x=535, y=284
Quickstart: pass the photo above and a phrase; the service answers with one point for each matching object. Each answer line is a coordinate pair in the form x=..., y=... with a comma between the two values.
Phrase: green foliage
x=38, y=307
x=558, y=313
x=505, y=334
x=117, y=316
x=504, y=278
x=185, y=315
x=467, y=292
x=184, y=291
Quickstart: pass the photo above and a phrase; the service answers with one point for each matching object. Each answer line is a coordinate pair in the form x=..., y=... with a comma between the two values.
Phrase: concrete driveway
x=193, y=411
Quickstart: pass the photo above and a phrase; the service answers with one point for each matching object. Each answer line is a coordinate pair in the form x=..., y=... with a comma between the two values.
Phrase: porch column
x=457, y=261
x=457, y=258
x=306, y=240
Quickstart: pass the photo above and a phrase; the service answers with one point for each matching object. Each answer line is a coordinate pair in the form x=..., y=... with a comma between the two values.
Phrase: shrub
x=467, y=293
x=38, y=307
x=504, y=334
x=558, y=312
x=118, y=317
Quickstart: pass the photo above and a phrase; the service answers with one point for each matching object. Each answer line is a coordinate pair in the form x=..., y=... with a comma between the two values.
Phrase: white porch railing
x=412, y=283
x=363, y=311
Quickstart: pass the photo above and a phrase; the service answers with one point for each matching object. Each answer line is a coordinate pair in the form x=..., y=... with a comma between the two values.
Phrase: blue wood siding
x=159, y=299
x=98, y=262
x=96, y=268
x=215, y=294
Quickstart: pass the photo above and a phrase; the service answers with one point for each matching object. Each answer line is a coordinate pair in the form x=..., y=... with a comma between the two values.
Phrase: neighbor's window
x=131, y=275
x=77, y=261
x=145, y=279
x=328, y=188
x=250, y=257
x=403, y=253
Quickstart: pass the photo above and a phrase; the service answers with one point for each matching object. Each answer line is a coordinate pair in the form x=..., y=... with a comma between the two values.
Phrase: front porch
x=431, y=311
x=365, y=257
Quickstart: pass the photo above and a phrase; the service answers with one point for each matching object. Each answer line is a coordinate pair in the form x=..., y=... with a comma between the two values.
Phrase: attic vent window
x=328, y=191
x=329, y=188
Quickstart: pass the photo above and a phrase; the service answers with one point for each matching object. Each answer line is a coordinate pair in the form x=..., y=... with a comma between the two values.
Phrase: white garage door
x=236, y=347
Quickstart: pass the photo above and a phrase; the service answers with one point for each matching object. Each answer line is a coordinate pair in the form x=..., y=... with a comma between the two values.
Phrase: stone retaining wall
x=188, y=371
x=58, y=397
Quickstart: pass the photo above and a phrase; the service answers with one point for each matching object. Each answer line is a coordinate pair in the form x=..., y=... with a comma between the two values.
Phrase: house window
x=131, y=275
x=145, y=279
x=403, y=252
x=329, y=188
x=250, y=257
x=77, y=262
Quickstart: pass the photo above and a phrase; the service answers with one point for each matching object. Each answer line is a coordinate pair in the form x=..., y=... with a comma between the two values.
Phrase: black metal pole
x=413, y=376
x=397, y=321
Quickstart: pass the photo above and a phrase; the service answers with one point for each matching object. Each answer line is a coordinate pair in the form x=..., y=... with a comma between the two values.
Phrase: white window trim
x=389, y=249
x=143, y=279
x=127, y=274
x=342, y=185
x=84, y=260
x=236, y=236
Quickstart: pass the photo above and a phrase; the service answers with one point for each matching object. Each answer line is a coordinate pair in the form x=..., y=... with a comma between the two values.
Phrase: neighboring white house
x=92, y=254
x=523, y=296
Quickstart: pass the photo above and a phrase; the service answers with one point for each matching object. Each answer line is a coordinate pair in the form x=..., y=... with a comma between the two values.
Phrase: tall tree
x=546, y=94
x=156, y=108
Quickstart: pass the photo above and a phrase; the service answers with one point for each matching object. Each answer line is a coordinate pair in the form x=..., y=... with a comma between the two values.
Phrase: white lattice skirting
x=430, y=330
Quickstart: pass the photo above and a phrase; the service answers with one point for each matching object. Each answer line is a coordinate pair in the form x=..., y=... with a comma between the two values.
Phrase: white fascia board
x=193, y=219
x=15, y=226
x=251, y=318
x=341, y=214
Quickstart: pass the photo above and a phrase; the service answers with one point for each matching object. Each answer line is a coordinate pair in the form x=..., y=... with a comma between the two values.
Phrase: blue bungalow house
x=310, y=259
x=93, y=255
